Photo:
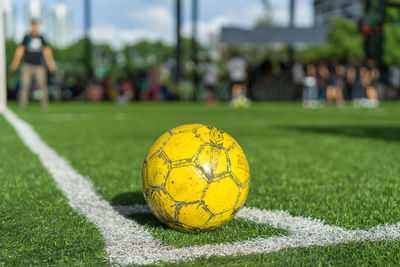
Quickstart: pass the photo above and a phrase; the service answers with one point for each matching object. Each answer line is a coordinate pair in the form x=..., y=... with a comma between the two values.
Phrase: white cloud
x=280, y=12
x=155, y=23
x=118, y=37
x=19, y=30
x=156, y=20
x=245, y=18
x=252, y=13
x=207, y=28
x=304, y=15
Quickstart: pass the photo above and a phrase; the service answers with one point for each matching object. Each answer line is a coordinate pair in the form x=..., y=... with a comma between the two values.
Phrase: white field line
x=305, y=232
x=129, y=242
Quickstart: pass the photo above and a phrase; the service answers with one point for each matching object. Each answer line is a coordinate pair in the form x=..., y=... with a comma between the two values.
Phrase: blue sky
x=121, y=21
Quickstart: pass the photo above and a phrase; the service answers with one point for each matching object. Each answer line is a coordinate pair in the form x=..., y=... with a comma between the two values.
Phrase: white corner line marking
x=129, y=242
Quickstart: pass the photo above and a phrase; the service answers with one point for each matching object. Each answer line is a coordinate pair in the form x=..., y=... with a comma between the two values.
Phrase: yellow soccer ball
x=195, y=178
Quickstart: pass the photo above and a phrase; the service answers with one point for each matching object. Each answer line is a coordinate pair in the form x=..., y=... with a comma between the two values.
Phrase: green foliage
x=266, y=19
x=119, y=64
x=264, y=22
x=107, y=60
x=11, y=46
x=313, y=53
x=145, y=54
x=256, y=55
x=71, y=59
x=391, y=54
x=343, y=42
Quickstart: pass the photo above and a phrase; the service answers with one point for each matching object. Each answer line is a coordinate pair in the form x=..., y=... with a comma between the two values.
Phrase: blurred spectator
x=237, y=69
x=322, y=80
x=310, y=92
x=56, y=83
x=126, y=92
x=394, y=82
x=109, y=93
x=186, y=89
x=210, y=80
x=154, y=87
x=32, y=50
x=334, y=91
x=298, y=78
x=356, y=75
x=371, y=79
x=95, y=92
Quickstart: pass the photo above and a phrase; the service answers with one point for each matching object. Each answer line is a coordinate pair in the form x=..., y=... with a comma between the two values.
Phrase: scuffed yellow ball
x=195, y=178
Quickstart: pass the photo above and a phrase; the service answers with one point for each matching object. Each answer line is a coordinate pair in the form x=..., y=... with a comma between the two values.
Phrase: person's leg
x=26, y=74
x=334, y=94
x=41, y=77
x=329, y=94
x=339, y=97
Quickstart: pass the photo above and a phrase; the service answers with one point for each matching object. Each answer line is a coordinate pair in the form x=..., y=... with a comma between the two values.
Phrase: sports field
x=335, y=172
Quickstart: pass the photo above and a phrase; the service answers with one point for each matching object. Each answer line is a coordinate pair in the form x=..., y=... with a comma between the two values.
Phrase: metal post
x=178, y=49
x=194, y=54
x=381, y=11
x=292, y=9
x=292, y=13
x=88, y=43
x=368, y=39
x=3, y=77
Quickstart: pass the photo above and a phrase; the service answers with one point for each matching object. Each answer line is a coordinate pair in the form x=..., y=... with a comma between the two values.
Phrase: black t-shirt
x=34, y=49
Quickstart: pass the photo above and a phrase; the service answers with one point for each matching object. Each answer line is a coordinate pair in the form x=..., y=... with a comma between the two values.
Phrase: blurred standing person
x=298, y=78
x=210, y=80
x=356, y=75
x=125, y=92
x=322, y=80
x=371, y=81
x=109, y=92
x=153, y=78
x=310, y=92
x=32, y=50
x=334, y=91
x=394, y=81
x=237, y=70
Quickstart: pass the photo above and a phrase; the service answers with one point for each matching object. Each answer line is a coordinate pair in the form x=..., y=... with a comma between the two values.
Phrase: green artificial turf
x=338, y=165
x=37, y=226
x=236, y=230
x=352, y=254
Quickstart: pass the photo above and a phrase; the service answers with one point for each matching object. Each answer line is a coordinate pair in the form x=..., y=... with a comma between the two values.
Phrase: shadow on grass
x=147, y=219
x=235, y=231
x=128, y=198
x=133, y=198
x=387, y=133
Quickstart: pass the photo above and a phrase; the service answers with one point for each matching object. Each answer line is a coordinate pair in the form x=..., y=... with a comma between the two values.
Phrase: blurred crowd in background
x=328, y=81
x=331, y=74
